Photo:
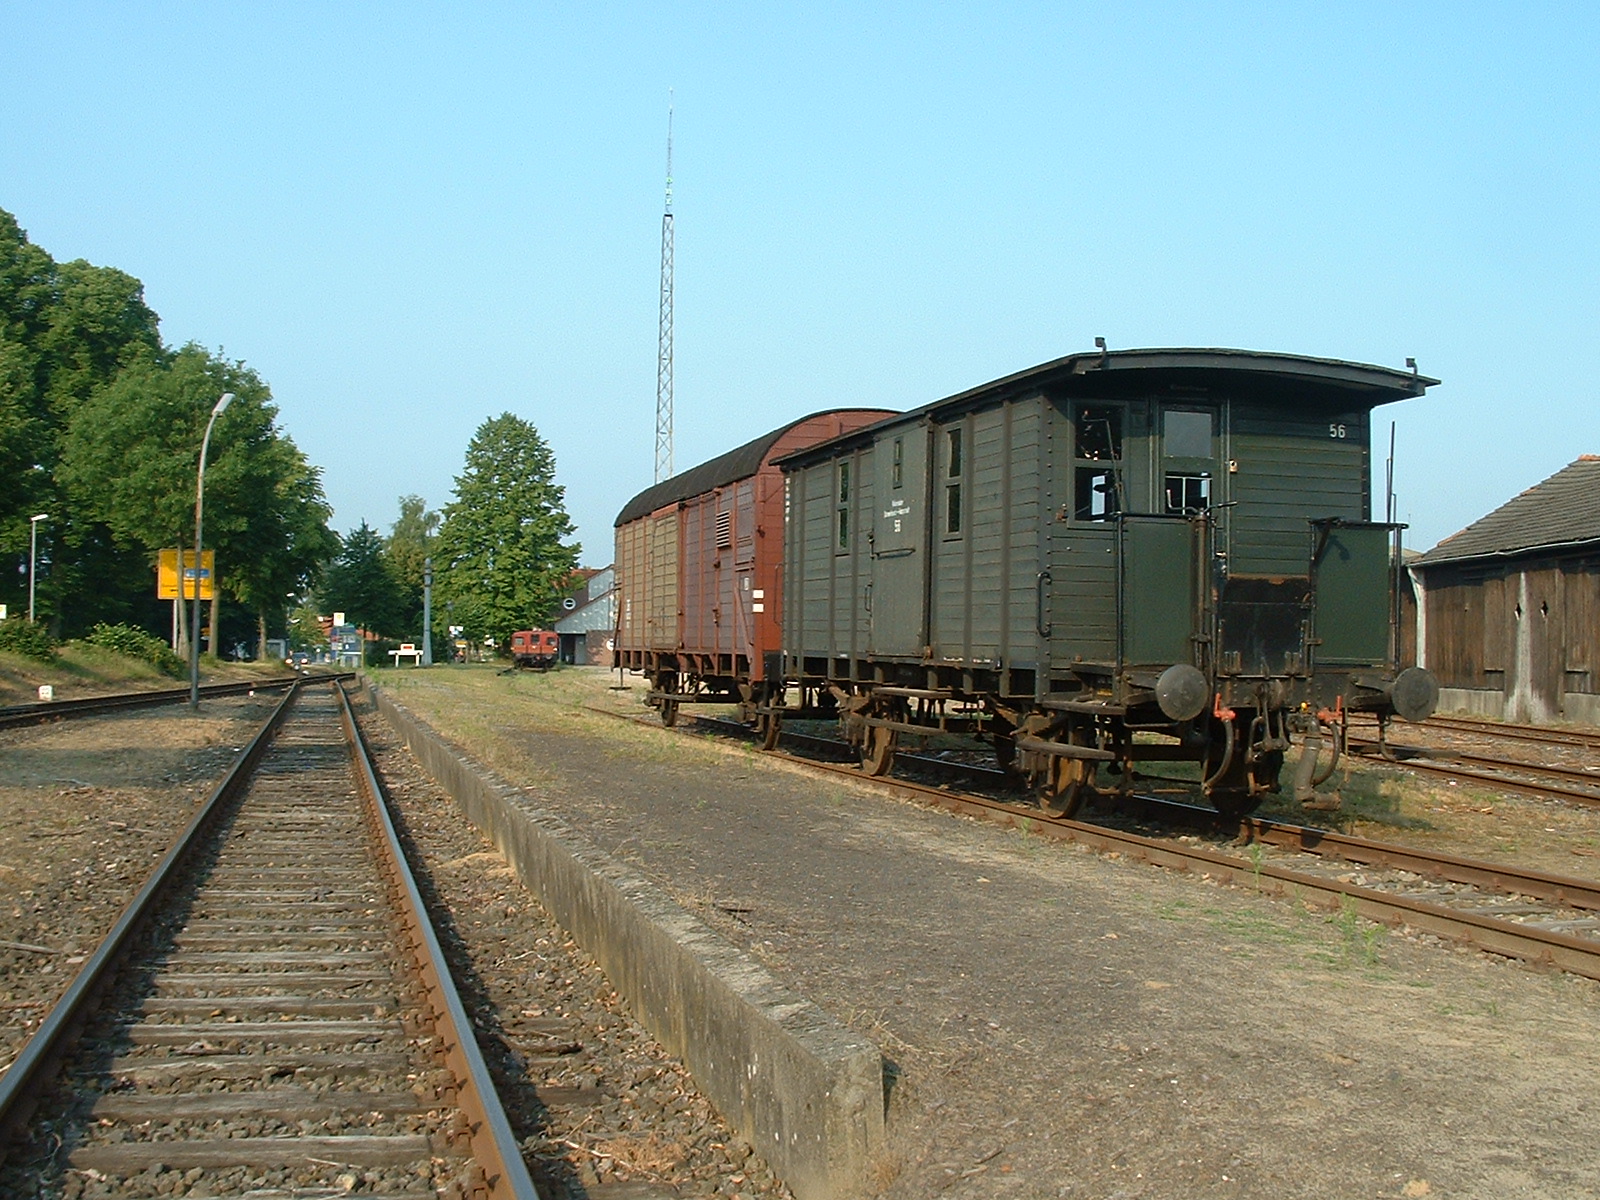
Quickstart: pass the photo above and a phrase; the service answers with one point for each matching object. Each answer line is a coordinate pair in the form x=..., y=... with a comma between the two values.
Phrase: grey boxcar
x=1164, y=542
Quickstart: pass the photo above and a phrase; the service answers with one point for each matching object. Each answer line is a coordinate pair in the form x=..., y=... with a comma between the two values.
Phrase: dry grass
x=494, y=715
x=81, y=669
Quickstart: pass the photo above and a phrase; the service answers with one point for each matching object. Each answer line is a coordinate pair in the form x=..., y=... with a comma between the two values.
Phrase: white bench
x=407, y=650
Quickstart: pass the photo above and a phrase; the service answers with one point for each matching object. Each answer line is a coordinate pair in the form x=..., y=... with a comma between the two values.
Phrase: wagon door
x=898, y=544
x=742, y=542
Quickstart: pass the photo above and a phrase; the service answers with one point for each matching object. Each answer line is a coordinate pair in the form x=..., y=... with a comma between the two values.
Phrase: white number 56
x=1335, y=430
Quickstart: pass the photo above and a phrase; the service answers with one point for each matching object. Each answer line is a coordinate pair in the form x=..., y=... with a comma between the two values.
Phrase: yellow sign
x=167, y=575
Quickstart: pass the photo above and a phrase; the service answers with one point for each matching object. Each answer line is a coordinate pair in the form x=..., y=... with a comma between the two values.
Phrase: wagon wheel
x=877, y=750
x=668, y=681
x=769, y=724
x=1065, y=783
x=1063, y=786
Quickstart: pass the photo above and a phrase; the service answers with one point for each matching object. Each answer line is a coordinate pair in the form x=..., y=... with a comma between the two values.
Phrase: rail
x=53, y=710
x=480, y=1135
x=1495, y=932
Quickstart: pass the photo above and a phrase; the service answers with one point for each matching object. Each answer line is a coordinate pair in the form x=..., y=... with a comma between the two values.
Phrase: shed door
x=898, y=543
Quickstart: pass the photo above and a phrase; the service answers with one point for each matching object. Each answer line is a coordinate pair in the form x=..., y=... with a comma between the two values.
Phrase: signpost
x=168, y=573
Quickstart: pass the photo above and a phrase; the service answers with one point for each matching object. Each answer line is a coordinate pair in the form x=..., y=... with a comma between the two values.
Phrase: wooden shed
x=1509, y=608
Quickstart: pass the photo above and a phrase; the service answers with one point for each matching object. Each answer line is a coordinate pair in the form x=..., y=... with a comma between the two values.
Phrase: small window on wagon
x=1188, y=493
x=1097, y=465
x=952, y=486
x=842, y=510
x=1186, y=455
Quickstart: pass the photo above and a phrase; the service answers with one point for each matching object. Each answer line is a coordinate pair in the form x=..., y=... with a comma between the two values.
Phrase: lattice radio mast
x=664, y=359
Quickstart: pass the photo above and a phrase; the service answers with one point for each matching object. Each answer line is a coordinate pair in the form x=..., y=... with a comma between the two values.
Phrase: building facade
x=588, y=621
x=1508, y=613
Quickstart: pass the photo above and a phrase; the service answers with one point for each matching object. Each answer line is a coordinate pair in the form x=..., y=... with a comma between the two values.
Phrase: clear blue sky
x=410, y=218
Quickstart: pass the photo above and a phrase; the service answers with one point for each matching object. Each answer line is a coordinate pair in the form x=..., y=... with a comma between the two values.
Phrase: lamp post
x=33, y=555
x=199, y=505
x=427, y=613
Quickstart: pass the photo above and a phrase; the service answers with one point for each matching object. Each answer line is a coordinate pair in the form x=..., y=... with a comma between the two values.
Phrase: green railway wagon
x=1113, y=557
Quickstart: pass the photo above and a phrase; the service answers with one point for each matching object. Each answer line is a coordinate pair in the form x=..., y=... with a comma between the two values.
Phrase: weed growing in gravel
x=1361, y=939
x=1256, y=854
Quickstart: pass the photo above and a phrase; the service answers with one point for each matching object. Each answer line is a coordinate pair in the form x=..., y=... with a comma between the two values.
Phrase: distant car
x=298, y=660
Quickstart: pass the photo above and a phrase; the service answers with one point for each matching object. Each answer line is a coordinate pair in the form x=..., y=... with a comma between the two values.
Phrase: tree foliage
x=100, y=426
x=502, y=556
x=360, y=584
x=410, y=544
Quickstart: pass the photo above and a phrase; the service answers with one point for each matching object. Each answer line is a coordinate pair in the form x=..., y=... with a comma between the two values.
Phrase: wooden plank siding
x=647, y=562
x=1290, y=472
x=969, y=567
x=1528, y=629
x=830, y=613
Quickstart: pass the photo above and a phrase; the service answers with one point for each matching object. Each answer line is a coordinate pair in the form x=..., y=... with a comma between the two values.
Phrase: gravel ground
x=1054, y=1024
x=1061, y=1025
x=87, y=808
x=90, y=806
x=598, y=1103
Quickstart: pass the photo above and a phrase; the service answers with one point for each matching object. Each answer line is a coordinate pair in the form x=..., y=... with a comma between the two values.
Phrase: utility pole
x=664, y=339
x=427, y=613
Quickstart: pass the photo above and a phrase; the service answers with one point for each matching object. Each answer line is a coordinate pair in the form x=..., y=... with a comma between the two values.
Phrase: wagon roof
x=739, y=463
x=1562, y=511
x=1360, y=383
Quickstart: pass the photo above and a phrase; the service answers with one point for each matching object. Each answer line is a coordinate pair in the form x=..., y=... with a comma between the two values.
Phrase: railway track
x=56, y=710
x=1540, y=918
x=1546, y=735
x=1544, y=781
x=272, y=1015
x=1459, y=758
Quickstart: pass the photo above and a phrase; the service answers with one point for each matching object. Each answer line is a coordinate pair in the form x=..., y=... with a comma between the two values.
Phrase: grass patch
x=502, y=716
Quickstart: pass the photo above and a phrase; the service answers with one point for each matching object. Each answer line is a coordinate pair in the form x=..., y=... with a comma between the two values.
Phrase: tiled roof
x=1564, y=510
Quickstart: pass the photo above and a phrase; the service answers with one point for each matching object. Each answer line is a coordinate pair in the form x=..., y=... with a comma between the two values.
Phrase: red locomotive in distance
x=539, y=649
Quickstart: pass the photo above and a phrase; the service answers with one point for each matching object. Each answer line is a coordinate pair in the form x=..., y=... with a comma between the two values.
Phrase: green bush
x=136, y=643
x=24, y=637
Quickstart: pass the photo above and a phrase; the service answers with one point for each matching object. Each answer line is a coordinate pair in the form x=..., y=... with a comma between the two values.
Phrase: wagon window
x=1096, y=489
x=842, y=514
x=897, y=463
x=1100, y=432
x=952, y=487
x=1095, y=494
x=1187, y=434
x=1189, y=493
x=1186, y=449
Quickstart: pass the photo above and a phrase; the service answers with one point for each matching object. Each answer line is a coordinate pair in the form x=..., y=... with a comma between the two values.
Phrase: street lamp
x=427, y=613
x=33, y=554
x=199, y=505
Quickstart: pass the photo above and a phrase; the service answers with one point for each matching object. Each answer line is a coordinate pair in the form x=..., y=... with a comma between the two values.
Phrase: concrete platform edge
x=804, y=1090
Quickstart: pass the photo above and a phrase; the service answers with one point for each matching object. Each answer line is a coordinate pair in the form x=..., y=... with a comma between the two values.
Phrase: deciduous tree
x=502, y=554
x=359, y=584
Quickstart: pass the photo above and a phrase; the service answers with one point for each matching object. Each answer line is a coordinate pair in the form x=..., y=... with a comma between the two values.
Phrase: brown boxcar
x=699, y=571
